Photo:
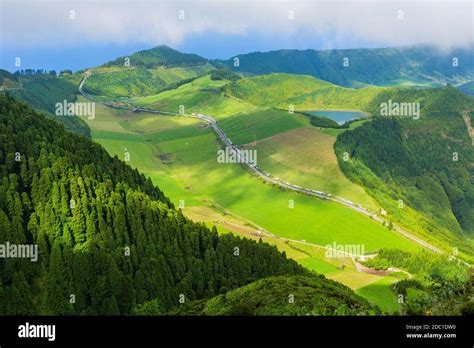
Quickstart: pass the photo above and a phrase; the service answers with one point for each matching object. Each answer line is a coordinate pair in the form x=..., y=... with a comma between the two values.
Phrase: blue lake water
x=338, y=116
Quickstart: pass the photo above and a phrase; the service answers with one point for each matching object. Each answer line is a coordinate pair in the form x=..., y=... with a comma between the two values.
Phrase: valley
x=201, y=204
x=309, y=191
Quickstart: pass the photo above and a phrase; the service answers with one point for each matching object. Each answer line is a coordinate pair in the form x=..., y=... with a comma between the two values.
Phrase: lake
x=339, y=116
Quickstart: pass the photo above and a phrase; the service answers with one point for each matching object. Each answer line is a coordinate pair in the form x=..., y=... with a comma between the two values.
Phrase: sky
x=74, y=35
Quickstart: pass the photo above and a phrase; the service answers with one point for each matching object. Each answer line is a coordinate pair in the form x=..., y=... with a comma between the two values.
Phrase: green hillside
x=411, y=65
x=136, y=82
x=179, y=154
x=159, y=56
x=8, y=80
x=301, y=91
x=285, y=295
x=86, y=209
x=425, y=163
x=104, y=232
x=202, y=95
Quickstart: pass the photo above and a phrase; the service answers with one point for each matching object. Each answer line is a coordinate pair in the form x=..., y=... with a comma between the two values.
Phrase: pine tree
x=56, y=286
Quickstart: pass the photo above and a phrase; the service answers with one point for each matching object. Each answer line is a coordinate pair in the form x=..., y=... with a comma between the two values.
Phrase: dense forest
x=420, y=164
x=353, y=67
x=108, y=239
x=224, y=74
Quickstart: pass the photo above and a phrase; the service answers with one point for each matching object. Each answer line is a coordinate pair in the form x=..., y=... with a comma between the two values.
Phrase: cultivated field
x=181, y=159
x=305, y=156
x=180, y=155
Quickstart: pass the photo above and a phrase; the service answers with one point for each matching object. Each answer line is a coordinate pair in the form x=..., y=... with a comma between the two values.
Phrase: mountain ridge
x=354, y=67
x=158, y=56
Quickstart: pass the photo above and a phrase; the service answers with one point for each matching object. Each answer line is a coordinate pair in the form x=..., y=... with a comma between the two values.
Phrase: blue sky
x=74, y=35
x=210, y=45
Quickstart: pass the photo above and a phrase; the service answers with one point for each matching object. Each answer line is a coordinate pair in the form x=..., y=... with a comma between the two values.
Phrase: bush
x=224, y=74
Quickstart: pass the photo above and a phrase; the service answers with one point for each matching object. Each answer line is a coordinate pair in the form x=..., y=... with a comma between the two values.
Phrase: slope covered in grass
x=202, y=95
x=182, y=159
x=301, y=91
x=305, y=157
x=248, y=127
x=380, y=294
x=139, y=81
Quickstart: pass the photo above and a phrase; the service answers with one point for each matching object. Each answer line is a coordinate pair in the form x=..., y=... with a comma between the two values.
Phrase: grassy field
x=380, y=294
x=302, y=91
x=341, y=269
x=181, y=159
x=249, y=127
x=250, y=95
x=179, y=154
x=172, y=75
x=202, y=95
x=413, y=292
x=134, y=82
x=305, y=156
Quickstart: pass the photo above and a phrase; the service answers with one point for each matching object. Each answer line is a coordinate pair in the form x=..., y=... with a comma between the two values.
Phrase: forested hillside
x=43, y=91
x=422, y=165
x=281, y=295
x=160, y=56
x=352, y=67
x=108, y=239
x=8, y=80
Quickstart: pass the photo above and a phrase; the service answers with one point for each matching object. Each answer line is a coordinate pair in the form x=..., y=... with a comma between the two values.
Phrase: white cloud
x=39, y=23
